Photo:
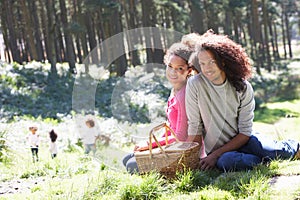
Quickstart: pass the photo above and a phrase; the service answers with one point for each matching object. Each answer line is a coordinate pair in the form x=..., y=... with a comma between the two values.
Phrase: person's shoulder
x=248, y=86
x=247, y=91
x=195, y=78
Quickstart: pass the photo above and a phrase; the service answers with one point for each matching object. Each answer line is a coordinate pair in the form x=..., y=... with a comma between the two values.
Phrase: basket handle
x=151, y=135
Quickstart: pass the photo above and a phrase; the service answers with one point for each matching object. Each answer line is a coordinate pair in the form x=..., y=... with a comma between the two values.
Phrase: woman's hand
x=209, y=162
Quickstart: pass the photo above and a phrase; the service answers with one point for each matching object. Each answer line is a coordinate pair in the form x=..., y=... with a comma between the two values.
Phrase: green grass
x=75, y=176
x=273, y=112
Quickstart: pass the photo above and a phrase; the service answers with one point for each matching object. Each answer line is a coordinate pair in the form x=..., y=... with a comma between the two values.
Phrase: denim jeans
x=258, y=149
x=129, y=162
x=89, y=148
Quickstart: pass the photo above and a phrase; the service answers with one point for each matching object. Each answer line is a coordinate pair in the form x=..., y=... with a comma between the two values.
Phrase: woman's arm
x=210, y=161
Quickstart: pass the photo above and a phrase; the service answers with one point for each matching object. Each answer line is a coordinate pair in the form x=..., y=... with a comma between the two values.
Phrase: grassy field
x=75, y=176
x=72, y=175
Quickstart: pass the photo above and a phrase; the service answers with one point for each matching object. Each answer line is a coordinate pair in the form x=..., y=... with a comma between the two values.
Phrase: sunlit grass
x=73, y=175
x=280, y=120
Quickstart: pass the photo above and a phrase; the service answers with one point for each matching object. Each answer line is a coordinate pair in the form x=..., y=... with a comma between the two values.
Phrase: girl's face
x=210, y=69
x=88, y=124
x=33, y=130
x=177, y=70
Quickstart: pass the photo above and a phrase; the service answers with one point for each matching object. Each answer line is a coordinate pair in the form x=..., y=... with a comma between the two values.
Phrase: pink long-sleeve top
x=177, y=118
x=177, y=115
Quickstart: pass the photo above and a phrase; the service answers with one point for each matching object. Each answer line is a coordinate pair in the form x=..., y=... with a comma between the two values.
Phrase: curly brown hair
x=230, y=57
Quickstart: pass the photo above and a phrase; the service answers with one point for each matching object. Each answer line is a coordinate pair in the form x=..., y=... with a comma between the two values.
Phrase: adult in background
x=220, y=108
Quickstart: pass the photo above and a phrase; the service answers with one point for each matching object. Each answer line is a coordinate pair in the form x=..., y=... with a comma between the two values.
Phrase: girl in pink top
x=177, y=71
x=176, y=114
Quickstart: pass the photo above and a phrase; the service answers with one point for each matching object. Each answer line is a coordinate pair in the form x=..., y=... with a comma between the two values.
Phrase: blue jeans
x=129, y=162
x=258, y=150
x=89, y=147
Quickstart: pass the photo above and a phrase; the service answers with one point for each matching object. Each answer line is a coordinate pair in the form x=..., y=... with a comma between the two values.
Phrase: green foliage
x=184, y=182
x=280, y=87
x=151, y=187
x=81, y=169
x=74, y=147
x=36, y=188
x=270, y=116
x=139, y=113
x=4, y=149
x=33, y=173
x=214, y=193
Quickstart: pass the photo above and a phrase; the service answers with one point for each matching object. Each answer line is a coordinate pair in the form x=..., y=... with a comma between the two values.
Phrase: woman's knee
x=225, y=161
x=234, y=161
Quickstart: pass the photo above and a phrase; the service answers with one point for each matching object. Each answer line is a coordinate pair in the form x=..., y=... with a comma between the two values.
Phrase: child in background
x=34, y=141
x=53, y=145
x=89, y=137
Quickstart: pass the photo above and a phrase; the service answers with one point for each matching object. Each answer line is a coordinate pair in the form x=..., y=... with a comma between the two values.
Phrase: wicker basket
x=170, y=158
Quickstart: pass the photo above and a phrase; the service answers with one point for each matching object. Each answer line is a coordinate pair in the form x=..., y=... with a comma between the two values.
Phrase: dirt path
x=287, y=186
x=20, y=185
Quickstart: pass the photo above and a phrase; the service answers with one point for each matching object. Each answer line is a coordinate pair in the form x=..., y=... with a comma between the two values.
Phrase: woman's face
x=177, y=70
x=210, y=69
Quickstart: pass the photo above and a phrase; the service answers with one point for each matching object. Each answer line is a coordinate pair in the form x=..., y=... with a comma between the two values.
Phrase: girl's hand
x=142, y=146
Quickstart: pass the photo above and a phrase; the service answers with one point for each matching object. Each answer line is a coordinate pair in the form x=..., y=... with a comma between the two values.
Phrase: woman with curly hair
x=220, y=108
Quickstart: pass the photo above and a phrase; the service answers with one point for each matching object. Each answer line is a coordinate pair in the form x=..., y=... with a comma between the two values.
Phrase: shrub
x=3, y=147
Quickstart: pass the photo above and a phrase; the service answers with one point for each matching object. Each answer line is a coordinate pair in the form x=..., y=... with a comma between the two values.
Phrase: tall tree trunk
x=283, y=30
x=250, y=31
x=158, y=53
x=129, y=12
x=36, y=31
x=104, y=31
x=44, y=27
x=146, y=21
x=51, y=38
x=77, y=34
x=236, y=23
x=256, y=28
x=212, y=16
x=197, y=16
x=298, y=12
x=82, y=34
x=228, y=22
x=276, y=41
x=68, y=37
x=91, y=35
x=29, y=37
x=288, y=34
x=7, y=8
x=61, y=55
x=3, y=20
x=121, y=61
x=266, y=34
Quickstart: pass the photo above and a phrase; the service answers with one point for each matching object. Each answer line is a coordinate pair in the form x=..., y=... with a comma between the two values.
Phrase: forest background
x=45, y=53
x=67, y=31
